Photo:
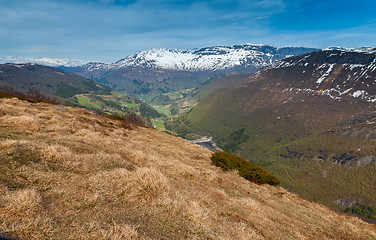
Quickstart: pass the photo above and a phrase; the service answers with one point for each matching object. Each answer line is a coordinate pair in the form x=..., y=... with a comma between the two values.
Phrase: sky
x=108, y=30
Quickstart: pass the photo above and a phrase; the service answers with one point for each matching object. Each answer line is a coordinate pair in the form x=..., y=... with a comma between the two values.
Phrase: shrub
x=250, y=171
x=362, y=210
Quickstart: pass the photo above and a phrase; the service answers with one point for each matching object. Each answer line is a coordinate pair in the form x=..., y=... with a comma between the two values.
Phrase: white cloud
x=108, y=30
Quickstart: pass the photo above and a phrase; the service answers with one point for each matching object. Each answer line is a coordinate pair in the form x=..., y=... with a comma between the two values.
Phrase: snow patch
x=359, y=93
x=322, y=78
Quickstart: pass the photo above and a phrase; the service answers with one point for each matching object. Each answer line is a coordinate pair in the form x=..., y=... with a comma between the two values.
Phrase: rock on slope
x=69, y=174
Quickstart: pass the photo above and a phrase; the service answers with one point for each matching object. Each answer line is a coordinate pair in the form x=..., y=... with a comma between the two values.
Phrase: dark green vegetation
x=321, y=146
x=247, y=170
x=362, y=211
x=233, y=142
x=65, y=91
x=322, y=167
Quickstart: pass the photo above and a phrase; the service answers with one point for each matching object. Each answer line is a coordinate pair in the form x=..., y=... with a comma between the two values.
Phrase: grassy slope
x=115, y=103
x=307, y=167
x=69, y=174
x=304, y=137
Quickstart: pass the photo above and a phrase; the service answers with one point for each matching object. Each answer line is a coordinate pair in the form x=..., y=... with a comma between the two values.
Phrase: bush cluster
x=250, y=171
x=362, y=210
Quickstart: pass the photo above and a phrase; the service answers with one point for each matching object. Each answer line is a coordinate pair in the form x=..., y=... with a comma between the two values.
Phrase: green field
x=83, y=100
x=163, y=109
x=116, y=103
x=159, y=123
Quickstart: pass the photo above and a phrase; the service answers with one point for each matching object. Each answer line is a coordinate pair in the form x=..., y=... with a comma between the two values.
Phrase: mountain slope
x=39, y=81
x=313, y=92
x=48, y=80
x=305, y=119
x=70, y=174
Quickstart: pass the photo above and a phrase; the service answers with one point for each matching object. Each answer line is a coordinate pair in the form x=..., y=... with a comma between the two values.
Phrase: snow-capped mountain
x=335, y=73
x=204, y=59
x=52, y=62
x=209, y=58
x=369, y=50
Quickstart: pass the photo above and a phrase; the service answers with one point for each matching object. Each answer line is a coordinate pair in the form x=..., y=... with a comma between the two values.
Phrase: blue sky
x=108, y=30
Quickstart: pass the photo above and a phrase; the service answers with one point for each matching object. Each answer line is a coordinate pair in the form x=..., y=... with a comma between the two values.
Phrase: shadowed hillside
x=66, y=173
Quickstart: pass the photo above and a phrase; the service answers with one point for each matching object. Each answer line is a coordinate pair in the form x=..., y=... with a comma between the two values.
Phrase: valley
x=174, y=80
x=309, y=119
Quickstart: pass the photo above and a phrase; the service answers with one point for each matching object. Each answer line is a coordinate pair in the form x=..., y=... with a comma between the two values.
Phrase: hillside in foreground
x=67, y=173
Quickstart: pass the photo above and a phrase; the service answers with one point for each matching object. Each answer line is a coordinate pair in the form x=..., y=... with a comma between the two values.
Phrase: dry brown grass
x=69, y=174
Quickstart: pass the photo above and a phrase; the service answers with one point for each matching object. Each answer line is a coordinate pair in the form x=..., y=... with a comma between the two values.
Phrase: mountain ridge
x=204, y=59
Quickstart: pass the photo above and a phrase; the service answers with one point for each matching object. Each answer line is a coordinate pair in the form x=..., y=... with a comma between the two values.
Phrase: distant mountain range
x=204, y=59
x=51, y=62
x=159, y=71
